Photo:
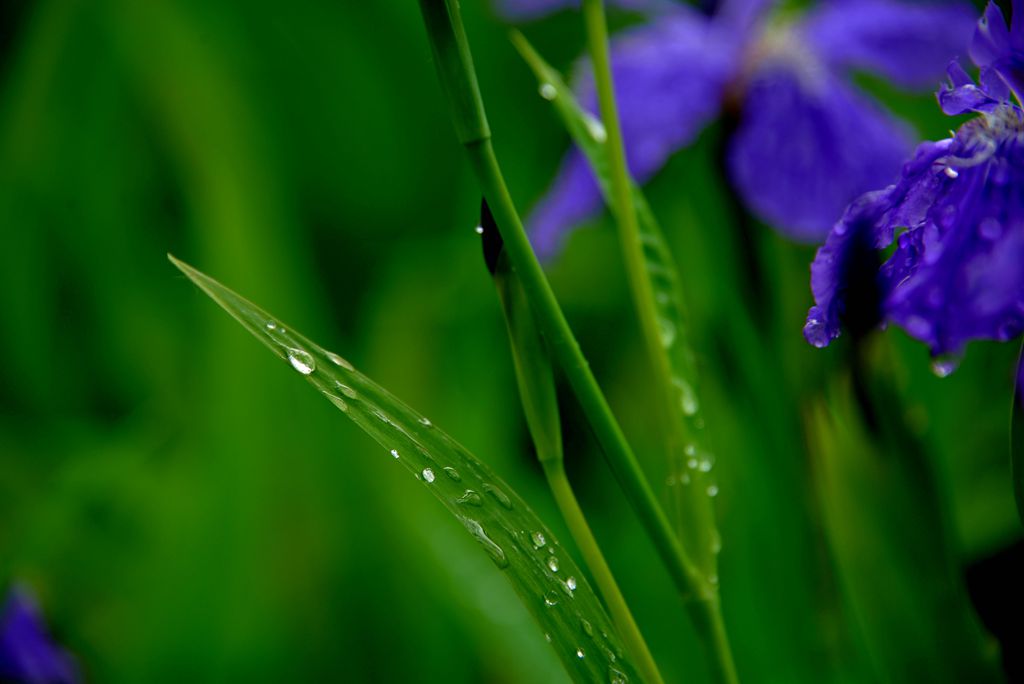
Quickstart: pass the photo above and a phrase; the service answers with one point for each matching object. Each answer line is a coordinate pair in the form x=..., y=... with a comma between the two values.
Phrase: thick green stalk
x=566, y=352
x=643, y=294
x=625, y=212
x=454, y=66
x=536, y=380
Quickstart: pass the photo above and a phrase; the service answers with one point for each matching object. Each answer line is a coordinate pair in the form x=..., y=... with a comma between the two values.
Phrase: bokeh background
x=186, y=509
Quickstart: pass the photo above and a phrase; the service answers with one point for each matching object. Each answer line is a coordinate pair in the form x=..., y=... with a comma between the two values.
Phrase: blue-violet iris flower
x=957, y=272
x=808, y=140
x=27, y=655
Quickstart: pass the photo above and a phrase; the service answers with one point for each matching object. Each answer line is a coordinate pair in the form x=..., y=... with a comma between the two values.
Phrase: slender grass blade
x=544, y=576
x=691, y=479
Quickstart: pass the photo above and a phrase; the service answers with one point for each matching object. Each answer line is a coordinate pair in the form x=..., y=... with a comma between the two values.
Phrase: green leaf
x=544, y=576
x=691, y=460
x=1017, y=438
x=887, y=529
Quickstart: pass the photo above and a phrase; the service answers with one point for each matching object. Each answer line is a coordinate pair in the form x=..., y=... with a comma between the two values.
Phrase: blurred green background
x=188, y=510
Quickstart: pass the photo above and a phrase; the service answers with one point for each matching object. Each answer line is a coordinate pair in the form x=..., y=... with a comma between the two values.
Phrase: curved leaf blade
x=691, y=482
x=544, y=576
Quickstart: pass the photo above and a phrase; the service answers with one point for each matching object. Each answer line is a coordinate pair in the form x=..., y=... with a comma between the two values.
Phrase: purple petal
x=910, y=43
x=845, y=281
x=27, y=654
x=807, y=145
x=962, y=95
x=845, y=263
x=998, y=47
x=958, y=276
x=991, y=41
x=670, y=77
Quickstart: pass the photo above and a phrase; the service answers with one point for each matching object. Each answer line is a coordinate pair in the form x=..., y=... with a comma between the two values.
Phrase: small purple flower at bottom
x=27, y=655
x=957, y=272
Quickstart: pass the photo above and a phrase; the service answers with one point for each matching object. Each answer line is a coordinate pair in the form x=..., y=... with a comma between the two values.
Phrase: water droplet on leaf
x=301, y=361
x=496, y=553
x=470, y=498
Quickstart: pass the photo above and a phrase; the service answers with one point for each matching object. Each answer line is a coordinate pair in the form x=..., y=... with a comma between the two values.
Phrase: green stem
x=455, y=69
x=554, y=470
x=706, y=611
x=622, y=204
x=566, y=352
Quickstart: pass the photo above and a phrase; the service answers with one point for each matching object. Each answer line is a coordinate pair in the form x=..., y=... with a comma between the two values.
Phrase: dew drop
x=687, y=397
x=596, y=129
x=425, y=422
x=428, y=475
x=705, y=465
x=712, y=490
x=346, y=390
x=470, y=498
x=301, y=361
x=951, y=172
x=666, y=332
x=571, y=583
x=394, y=452
x=495, y=551
x=587, y=627
x=338, y=361
x=580, y=654
x=944, y=367
x=452, y=473
x=499, y=496
x=547, y=637
x=816, y=333
x=553, y=563
x=271, y=325
x=337, y=401
x=690, y=450
x=479, y=230
x=551, y=599
x=617, y=677
x=548, y=91
x=538, y=540
x=692, y=463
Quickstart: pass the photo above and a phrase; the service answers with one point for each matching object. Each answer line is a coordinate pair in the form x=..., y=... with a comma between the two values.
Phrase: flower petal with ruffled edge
x=999, y=48
x=670, y=78
x=907, y=42
x=807, y=145
x=26, y=652
x=958, y=275
x=962, y=95
x=844, y=269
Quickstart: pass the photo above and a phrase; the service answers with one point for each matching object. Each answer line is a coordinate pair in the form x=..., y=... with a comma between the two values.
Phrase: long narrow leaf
x=545, y=577
x=691, y=460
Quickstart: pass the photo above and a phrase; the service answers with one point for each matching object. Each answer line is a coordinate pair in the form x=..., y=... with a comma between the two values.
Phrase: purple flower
x=27, y=655
x=808, y=140
x=957, y=272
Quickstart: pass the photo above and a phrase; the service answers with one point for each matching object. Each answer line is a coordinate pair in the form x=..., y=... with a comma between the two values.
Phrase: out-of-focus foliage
x=187, y=510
